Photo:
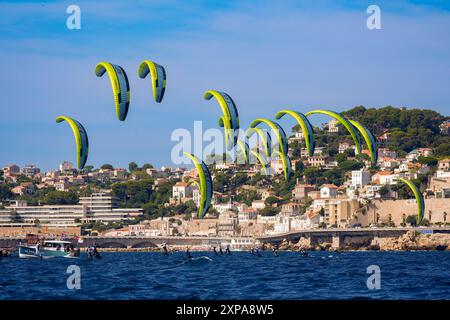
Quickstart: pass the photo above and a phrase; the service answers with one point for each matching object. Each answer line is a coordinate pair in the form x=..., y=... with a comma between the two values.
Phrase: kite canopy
x=204, y=184
x=230, y=118
x=81, y=139
x=277, y=129
x=265, y=137
x=419, y=199
x=287, y=165
x=158, y=76
x=369, y=138
x=342, y=120
x=244, y=151
x=263, y=161
x=305, y=125
x=120, y=86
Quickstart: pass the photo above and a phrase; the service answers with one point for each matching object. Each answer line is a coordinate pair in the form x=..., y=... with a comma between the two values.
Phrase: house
x=386, y=153
x=301, y=191
x=333, y=128
x=328, y=191
x=266, y=194
x=224, y=207
x=30, y=170
x=247, y=215
x=181, y=190
x=385, y=178
x=62, y=185
x=314, y=194
x=444, y=164
x=316, y=161
x=24, y=188
x=290, y=209
x=344, y=146
x=11, y=170
x=120, y=173
x=66, y=166
x=387, y=163
x=258, y=204
x=445, y=127
x=227, y=224
x=360, y=178
x=424, y=152
x=318, y=151
x=383, y=139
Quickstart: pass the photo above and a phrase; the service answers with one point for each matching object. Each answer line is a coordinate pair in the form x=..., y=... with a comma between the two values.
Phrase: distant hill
x=409, y=128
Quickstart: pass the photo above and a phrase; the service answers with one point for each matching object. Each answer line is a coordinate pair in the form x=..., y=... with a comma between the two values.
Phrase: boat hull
x=30, y=252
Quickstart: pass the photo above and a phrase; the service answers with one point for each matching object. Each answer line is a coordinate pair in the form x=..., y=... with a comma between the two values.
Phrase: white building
x=224, y=207
x=181, y=190
x=258, y=204
x=328, y=191
x=98, y=207
x=66, y=166
x=30, y=170
x=360, y=178
x=443, y=174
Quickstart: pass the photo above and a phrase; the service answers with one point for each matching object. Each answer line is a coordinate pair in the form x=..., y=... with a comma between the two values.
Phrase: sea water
x=149, y=275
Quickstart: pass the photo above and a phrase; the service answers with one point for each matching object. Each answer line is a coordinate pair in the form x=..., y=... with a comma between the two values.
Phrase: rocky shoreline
x=410, y=241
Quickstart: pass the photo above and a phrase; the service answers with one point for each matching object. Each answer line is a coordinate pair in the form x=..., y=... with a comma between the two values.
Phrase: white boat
x=49, y=249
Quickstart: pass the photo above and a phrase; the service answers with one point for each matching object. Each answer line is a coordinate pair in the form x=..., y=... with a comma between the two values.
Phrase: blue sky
x=267, y=55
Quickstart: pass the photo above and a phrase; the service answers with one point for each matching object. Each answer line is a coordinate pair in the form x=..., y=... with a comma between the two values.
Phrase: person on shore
x=188, y=253
x=227, y=250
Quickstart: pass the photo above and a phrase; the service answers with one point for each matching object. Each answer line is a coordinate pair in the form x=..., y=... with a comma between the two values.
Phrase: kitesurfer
x=188, y=253
x=164, y=247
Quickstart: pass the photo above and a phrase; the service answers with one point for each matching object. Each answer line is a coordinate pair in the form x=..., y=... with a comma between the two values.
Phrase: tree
x=341, y=157
x=133, y=193
x=350, y=165
x=88, y=168
x=272, y=200
x=429, y=161
x=268, y=211
x=61, y=198
x=147, y=166
x=132, y=166
x=107, y=166
x=412, y=220
x=5, y=192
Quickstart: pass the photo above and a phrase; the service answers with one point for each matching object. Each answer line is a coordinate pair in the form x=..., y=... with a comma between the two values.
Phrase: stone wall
x=47, y=231
x=397, y=210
